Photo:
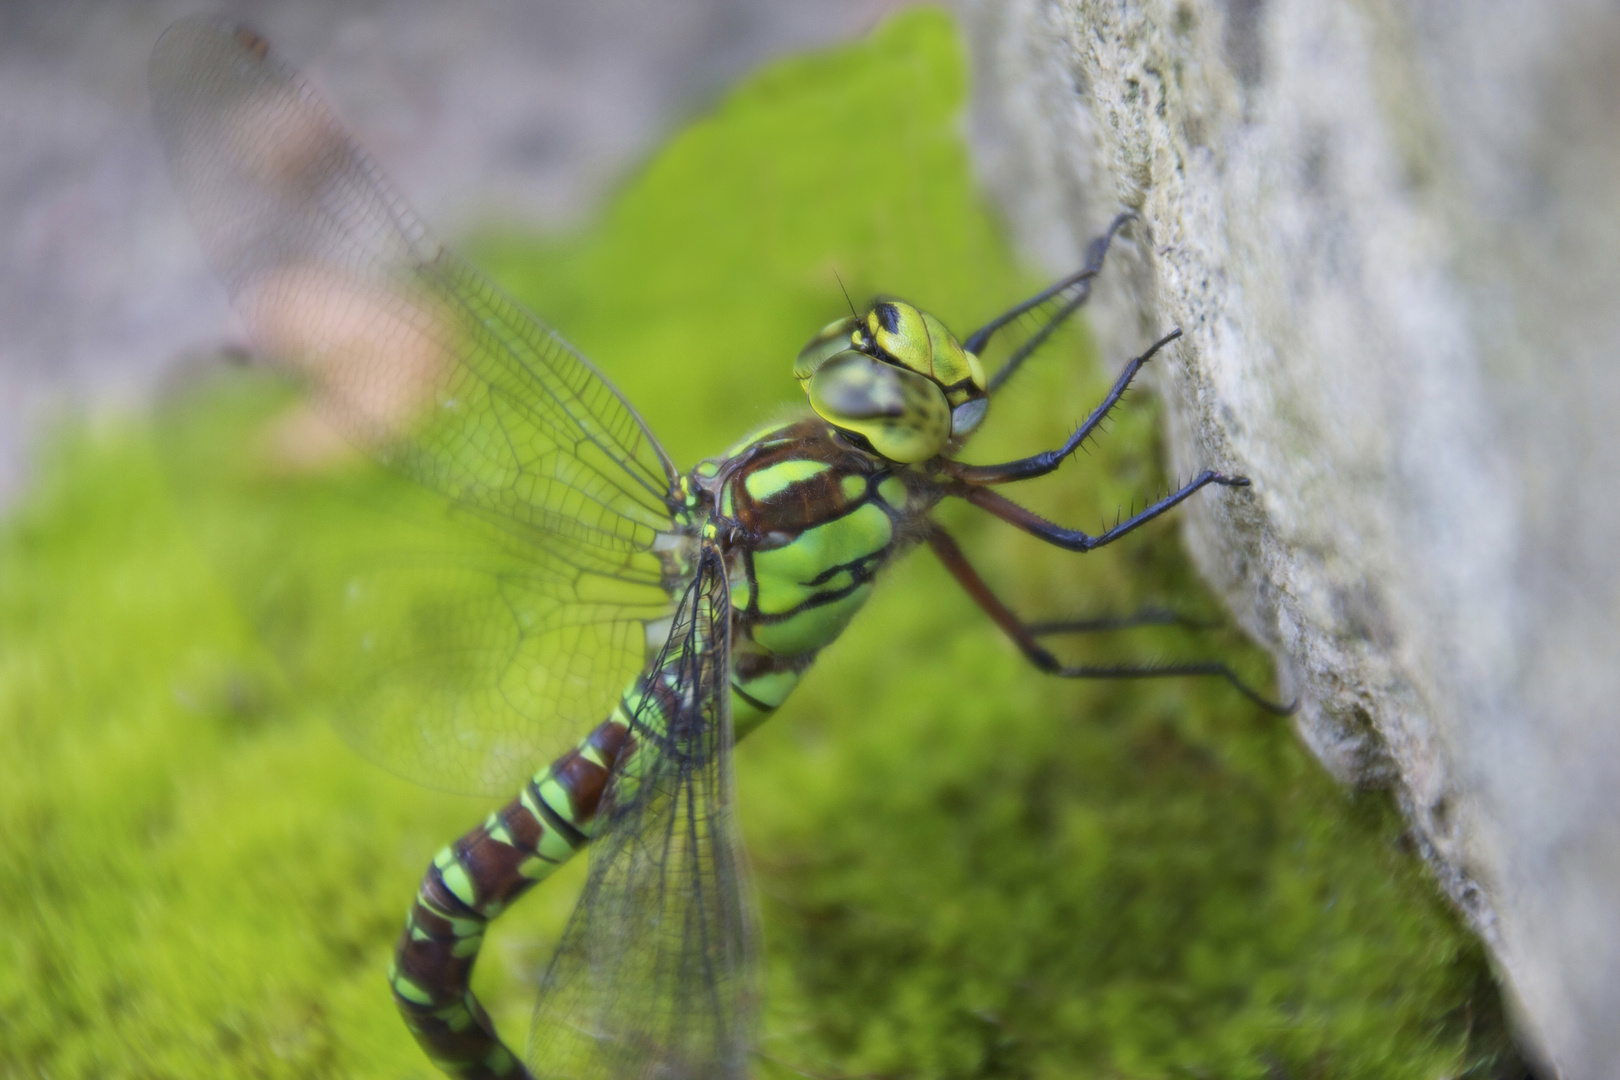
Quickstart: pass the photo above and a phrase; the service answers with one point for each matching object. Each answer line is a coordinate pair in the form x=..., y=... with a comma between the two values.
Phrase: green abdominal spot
x=785, y=574
x=812, y=627
x=455, y=877
x=408, y=990
x=772, y=689
x=752, y=700
x=789, y=576
x=554, y=847
x=800, y=583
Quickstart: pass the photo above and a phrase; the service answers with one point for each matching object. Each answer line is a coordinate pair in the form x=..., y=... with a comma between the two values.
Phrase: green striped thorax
x=897, y=378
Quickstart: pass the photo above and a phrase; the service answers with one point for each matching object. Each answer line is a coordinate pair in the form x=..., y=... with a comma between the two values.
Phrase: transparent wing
x=518, y=605
x=655, y=974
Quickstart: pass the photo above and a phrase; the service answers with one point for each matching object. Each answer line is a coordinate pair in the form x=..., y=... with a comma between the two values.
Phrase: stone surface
x=1391, y=232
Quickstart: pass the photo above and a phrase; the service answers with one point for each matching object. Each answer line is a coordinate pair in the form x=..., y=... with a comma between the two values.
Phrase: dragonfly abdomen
x=476, y=878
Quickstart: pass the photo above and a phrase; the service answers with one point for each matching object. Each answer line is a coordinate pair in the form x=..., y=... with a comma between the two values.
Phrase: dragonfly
x=596, y=587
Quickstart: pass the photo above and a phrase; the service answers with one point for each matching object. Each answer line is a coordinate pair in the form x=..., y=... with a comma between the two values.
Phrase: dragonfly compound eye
x=920, y=342
x=902, y=414
x=833, y=338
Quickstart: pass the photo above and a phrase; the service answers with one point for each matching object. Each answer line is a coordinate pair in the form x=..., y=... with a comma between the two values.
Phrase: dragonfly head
x=897, y=378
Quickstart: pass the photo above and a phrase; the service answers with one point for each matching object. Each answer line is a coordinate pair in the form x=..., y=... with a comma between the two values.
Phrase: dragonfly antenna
x=845, y=291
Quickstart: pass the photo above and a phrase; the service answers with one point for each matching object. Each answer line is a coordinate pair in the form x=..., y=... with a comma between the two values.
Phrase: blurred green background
x=966, y=869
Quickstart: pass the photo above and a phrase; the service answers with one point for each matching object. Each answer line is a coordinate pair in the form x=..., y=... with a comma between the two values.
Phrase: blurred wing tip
x=185, y=33
x=197, y=47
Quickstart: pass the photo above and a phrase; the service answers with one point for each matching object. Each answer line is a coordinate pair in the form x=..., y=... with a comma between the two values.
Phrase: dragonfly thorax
x=897, y=378
x=810, y=520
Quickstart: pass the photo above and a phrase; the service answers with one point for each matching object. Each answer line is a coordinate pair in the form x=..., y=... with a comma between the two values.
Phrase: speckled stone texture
x=1391, y=233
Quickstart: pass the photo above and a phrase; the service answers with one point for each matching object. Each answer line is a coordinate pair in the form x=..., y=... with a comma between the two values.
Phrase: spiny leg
x=1103, y=624
x=1024, y=634
x=971, y=477
x=1043, y=463
x=1074, y=539
x=1095, y=253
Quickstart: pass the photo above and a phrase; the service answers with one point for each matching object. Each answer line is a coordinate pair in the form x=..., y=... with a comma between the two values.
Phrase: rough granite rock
x=1391, y=233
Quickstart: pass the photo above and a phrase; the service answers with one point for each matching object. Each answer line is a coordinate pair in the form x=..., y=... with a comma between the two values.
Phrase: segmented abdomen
x=476, y=878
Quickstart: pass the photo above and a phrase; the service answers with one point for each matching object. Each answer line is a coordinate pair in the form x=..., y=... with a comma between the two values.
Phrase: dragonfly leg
x=1074, y=539
x=1043, y=463
x=472, y=882
x=1103, y=624
x=1024, y=635
x=1080, y=281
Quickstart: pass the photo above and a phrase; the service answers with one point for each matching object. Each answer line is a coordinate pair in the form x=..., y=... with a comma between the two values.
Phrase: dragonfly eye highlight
x=902, y=414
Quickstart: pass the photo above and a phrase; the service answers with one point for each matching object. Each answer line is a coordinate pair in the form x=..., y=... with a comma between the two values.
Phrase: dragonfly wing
x=655, y=974
x=520, y=608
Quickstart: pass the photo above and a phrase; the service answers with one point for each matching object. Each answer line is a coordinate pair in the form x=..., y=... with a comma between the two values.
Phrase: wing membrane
x=411, y=352
x=655, y=976
x=515, y=604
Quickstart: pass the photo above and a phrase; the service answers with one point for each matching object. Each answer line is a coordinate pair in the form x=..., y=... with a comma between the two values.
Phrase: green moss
x=966, y=869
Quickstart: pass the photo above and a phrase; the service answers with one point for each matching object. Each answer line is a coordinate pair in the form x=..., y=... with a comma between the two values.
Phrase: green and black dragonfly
x=596, y=587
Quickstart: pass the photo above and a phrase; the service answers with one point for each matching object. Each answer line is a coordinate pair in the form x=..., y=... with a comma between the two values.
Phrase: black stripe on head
x=888, y=316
